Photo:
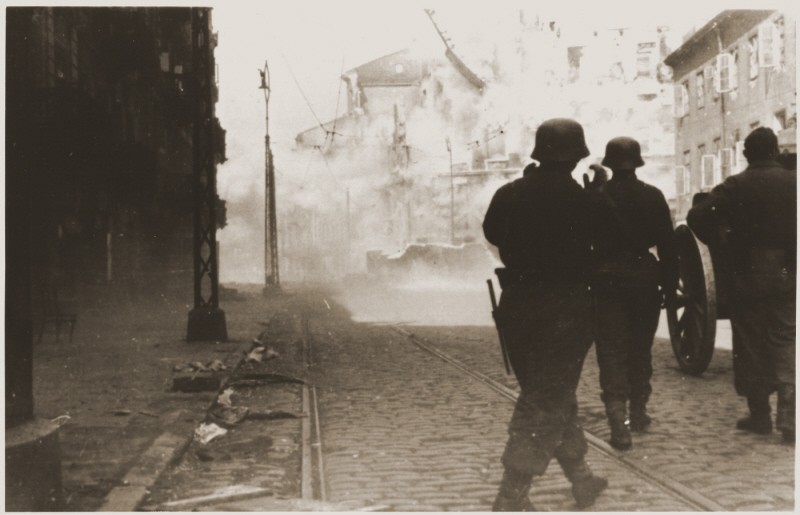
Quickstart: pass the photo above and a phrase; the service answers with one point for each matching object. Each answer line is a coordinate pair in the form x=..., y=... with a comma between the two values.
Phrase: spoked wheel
x=692, y=318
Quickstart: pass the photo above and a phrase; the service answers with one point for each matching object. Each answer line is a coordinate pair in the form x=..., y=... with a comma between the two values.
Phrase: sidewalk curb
x=165, y=450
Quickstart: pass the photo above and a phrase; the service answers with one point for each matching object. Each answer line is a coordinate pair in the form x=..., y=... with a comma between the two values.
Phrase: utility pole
x=452, y=195
x=272, y=281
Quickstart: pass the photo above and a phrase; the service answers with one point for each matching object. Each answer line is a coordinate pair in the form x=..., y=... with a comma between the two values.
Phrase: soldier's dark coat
x=627, y=288
x=546, y=227
x=759, y=206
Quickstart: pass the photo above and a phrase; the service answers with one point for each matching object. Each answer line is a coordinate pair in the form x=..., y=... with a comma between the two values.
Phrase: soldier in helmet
x=546, y=226
x=629, y=287
x=753, y=217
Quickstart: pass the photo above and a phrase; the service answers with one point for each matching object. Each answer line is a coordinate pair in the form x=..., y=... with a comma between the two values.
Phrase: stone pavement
x=114, y=380
x=692, y=440
x=400, y=428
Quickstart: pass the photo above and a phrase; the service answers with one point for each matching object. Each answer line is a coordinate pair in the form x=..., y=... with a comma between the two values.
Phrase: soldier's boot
x=759, y=420
x=620, y=434
x=784, y=420
x=639, y=419
x=586, y=486
x=513, y=494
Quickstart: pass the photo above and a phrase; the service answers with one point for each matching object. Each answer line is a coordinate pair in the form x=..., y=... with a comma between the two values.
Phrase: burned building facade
x=734, y=74
x=99, y=116
x=440, y=132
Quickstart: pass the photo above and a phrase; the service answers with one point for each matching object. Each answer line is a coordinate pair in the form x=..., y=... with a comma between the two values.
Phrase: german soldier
x=753, y=215
x=544, y=225
x=627, y=291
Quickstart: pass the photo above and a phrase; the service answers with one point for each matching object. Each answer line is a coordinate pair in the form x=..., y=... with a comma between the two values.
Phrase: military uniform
x=627, y=290
x=545, y=225
x=759, y=208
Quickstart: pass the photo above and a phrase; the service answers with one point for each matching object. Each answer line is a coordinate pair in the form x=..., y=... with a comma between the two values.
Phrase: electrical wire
x=297, y=83
x=338, y=97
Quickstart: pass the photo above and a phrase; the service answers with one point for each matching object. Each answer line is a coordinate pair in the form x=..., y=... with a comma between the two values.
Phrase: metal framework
x=206, y=320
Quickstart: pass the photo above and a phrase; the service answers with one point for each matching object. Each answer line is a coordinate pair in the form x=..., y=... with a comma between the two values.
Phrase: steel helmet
x=623, y=154
x=560, y=139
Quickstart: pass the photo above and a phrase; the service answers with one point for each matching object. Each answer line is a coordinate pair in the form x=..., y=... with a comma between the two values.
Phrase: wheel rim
x=692, y=318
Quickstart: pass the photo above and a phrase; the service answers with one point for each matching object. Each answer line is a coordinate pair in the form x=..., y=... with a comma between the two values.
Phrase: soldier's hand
x=599, y=179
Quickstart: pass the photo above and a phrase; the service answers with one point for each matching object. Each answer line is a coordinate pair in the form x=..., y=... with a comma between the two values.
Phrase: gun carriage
x=703, y=291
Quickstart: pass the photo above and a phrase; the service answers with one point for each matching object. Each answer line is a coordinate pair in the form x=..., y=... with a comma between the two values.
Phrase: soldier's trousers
x=763, y=343
x=547, y=328
x=626, y=323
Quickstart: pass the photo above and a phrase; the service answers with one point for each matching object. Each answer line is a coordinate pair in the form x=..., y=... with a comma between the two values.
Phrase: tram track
x=688, y=496
x=313, y=483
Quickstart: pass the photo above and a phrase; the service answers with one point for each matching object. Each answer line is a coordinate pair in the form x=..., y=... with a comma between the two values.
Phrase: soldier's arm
x=665, y=244
x=495, y=223
x=707, y=216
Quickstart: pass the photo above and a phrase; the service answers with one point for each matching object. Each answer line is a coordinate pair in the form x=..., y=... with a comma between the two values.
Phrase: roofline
x=324, y=125
x=351, y=70
x=701, y=33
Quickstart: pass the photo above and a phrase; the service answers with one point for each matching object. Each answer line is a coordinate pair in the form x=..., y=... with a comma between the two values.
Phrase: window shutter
x=725, y=75
x=768, y=49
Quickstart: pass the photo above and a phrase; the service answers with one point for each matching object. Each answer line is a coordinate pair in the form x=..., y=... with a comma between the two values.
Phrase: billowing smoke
x=377, y=183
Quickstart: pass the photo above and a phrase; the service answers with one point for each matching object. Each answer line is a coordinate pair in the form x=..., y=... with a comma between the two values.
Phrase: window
x=708, y=170
x=164, y=61
x=681, y=105
x=768, y=45
x=725, y=73
x=700, y=88
x=684, y=175
x=753, y=49
x=740, y=162
x=780, y=120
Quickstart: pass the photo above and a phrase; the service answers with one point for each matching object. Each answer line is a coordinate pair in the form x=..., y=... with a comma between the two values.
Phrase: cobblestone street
x=391, y=425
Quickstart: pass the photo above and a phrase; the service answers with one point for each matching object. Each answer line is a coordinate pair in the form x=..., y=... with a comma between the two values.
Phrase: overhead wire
x=338, y=98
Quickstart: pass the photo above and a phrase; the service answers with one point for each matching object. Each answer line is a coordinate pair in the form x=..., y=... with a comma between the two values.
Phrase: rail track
x=313, y=484
x=693, y=499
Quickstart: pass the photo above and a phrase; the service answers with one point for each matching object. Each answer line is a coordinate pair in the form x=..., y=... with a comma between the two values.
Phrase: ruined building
x=428, y=139
x=99, y=114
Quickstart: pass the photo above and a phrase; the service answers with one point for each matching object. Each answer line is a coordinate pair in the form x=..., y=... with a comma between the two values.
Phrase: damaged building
x=433, y=137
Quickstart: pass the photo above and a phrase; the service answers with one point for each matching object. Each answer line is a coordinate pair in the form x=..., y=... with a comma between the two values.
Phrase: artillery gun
x=703, y=289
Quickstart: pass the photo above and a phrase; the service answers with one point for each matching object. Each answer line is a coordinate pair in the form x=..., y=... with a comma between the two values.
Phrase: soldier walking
x=545, y=226
x=629, y=287
x=753, y=217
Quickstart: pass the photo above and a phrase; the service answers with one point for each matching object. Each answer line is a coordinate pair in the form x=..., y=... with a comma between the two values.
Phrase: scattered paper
x=206, y=432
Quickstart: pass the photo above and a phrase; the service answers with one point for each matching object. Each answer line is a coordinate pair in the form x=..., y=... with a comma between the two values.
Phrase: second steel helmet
x=623, y=153
x=560, y=139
